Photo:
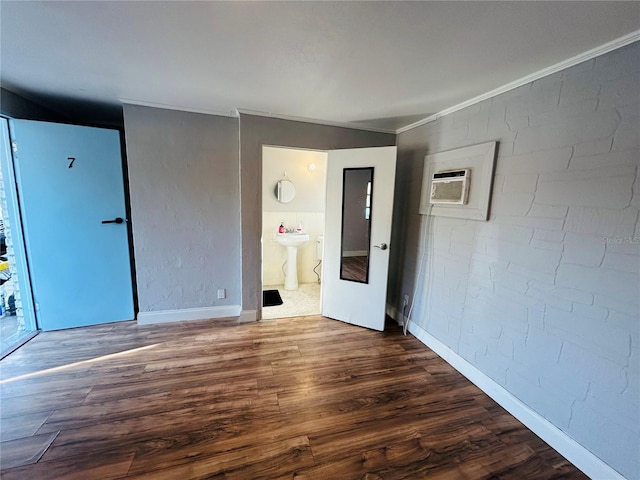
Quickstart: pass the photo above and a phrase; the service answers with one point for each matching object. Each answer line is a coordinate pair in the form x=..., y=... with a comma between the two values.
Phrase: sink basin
x=292, y=241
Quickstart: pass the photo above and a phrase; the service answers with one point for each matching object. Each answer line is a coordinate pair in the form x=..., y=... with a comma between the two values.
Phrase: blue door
x=70, y=182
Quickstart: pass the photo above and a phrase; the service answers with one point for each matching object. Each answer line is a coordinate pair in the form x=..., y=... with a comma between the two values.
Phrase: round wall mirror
x=285, y=191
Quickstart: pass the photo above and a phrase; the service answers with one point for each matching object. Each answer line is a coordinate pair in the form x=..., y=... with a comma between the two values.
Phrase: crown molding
x=354, y=126
x=570, y=62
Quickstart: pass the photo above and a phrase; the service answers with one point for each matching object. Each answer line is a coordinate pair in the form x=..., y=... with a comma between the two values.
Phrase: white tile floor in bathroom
x=296, y=303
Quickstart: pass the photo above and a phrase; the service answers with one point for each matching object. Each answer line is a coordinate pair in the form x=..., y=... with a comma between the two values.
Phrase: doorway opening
x=293, y=218
x=17, y=318
x=12, y=325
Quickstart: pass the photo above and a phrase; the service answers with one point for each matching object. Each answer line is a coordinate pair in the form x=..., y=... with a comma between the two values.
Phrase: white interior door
x=360, y=184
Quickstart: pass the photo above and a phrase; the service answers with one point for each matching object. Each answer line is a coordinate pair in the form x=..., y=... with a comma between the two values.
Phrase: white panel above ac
x=457, y=183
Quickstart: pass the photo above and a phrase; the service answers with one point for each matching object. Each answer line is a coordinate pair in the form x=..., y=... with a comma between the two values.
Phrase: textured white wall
x=310, y=186
x=544, y=297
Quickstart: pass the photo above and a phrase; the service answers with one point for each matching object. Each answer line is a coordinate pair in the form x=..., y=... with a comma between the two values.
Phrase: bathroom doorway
x=293, y=218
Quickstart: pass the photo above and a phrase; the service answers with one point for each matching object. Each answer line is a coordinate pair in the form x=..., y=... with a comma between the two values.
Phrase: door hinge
x=14, y=147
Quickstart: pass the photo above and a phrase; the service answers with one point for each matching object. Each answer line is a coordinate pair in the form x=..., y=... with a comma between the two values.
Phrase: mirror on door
x=357, y=188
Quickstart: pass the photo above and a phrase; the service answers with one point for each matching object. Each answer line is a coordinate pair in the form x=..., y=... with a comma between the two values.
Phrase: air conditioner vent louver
x=450, y=187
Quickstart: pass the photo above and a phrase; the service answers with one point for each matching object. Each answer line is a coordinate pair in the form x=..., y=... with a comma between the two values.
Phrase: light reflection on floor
x=70, y=366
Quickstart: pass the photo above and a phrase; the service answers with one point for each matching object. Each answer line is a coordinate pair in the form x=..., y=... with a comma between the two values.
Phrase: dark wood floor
x=304, y=398
x=9, y=333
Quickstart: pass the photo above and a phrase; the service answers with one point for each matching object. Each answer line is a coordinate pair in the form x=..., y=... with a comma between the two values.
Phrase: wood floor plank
x=145, y=405
x=205, y=443
x=165, y=381
x=259, y=462
x=217, y=421
x=378, y=432
x=47, y=383
x=396, y=458
x=23, y=451
x=328, y=375
x=103, y=467
x=348, y=389
x=30, y=404
x=22, y=425
x=298, y=398
x=264, y=354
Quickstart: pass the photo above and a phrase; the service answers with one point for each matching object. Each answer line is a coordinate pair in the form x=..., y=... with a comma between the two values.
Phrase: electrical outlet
x=222, y=293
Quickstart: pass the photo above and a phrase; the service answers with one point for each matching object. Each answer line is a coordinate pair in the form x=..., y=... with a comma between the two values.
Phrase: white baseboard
x=394, y=313
x=556, y=438
x=186, y=314
x=247, y=316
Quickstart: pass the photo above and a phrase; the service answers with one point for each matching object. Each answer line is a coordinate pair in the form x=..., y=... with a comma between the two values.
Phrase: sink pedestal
x=292, y=241
x=291, y=274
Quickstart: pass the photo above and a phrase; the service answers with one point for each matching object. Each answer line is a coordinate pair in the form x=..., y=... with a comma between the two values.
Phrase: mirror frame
x=279, y=190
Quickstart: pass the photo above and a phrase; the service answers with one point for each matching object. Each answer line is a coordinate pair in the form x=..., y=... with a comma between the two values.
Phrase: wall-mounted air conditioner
x=450, y=187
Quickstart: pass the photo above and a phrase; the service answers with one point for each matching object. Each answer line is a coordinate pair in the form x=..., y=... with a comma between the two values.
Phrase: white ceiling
x=381, y=64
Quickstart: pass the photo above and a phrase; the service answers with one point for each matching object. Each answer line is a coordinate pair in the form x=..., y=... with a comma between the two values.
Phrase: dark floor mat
x=271, y=298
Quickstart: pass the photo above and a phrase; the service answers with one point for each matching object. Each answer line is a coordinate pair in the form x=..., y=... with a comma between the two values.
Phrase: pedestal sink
x=292, y=241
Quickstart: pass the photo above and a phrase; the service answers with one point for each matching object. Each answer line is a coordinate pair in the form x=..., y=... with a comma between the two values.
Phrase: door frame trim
x=17, y=231
x=247, y=314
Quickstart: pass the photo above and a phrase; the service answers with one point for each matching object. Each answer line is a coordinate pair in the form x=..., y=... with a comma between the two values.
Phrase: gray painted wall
x=257, y=131
x=544, y=297
x=185, y=207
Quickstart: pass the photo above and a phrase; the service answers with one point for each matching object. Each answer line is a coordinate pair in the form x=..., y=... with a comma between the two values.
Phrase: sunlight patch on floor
x=70, y=366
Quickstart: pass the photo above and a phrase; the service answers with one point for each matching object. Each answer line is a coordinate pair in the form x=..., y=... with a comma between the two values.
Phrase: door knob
x=382, y=246
x=115, y=220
